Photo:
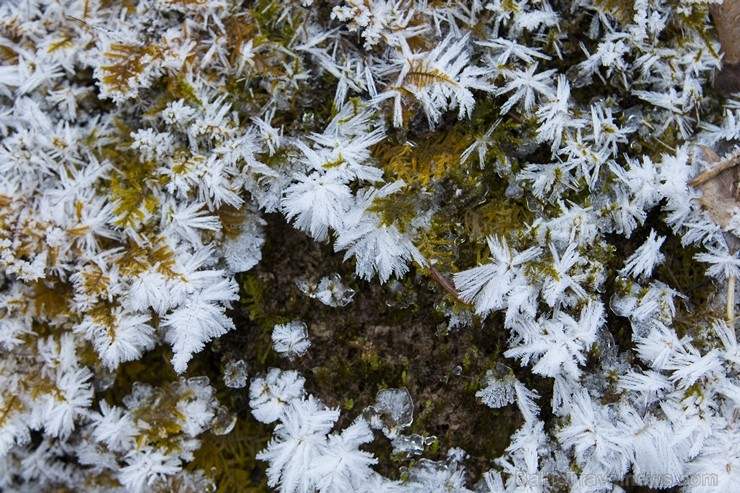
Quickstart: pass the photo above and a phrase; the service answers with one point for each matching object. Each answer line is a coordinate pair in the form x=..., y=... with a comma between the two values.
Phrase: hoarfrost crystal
x=291, y=339
x=235, y=374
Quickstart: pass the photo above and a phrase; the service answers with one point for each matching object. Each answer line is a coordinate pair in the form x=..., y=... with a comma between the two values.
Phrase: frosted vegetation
x=528, y=161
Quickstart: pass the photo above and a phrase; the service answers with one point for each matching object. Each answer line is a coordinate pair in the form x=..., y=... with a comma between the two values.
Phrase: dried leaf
x=720, y=192
x=422, y=74
x=725, y=17
x=727, y=80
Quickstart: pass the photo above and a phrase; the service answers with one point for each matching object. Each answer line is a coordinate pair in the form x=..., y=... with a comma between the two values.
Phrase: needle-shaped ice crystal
x=245, y=251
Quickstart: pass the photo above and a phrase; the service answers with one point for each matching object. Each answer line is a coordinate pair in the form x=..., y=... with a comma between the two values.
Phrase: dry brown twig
x=446, y=285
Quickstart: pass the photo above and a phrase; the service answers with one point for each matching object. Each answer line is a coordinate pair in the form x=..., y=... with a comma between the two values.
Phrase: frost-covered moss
x=484, y=207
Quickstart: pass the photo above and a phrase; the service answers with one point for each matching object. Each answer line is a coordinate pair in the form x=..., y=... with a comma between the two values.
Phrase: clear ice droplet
x=235, y=374
x=392, y=412
x=223, y=422
x=409, y=444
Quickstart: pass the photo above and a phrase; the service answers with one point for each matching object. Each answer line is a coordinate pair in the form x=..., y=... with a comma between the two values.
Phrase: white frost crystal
x=149, y=151
x=235, y=374
x=270, y=395
x=291, y=339
x=499, y=391
x=245, y=251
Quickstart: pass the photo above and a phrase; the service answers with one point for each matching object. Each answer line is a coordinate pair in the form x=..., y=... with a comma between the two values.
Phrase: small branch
x=704, y=177
x=446, y=285
x=731, y=300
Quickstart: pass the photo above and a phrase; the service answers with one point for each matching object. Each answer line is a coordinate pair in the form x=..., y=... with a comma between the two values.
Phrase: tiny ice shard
x=445, y=475
x=235, y=374
x=393, y=411
x=458, y=318
x=245, y=251
x=291, y=339
x=201, y=381
x=223, y=422
x=330, y=290
x=409, y=444
x=499, y=390
x=308, y=288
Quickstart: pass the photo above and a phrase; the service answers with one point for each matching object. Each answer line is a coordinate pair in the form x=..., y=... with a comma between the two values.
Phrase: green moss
x=396, y=209
x=127, y=63
x=230, y=460
x=252, y=298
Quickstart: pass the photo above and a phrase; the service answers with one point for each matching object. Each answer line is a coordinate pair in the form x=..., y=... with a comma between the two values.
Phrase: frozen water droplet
x=306, y=287
x=393, y=411
x=457, y=371
x=455, y=455
x=345, y=296
x=140, y=393
x=224, y=421
x=430, y=440
x=411, y=444
x=333, y=278
x=425, y=468
x=514, y=190
x=235, y=374
x=458, y=318
x=104, y=381
x=633, y=116
x=331, y=291
x=199, y=381
x=607, y=346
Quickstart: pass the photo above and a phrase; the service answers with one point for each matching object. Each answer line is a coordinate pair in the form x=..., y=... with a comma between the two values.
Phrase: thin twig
x=709, y=174
x=731, y=299
x=446, y=285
